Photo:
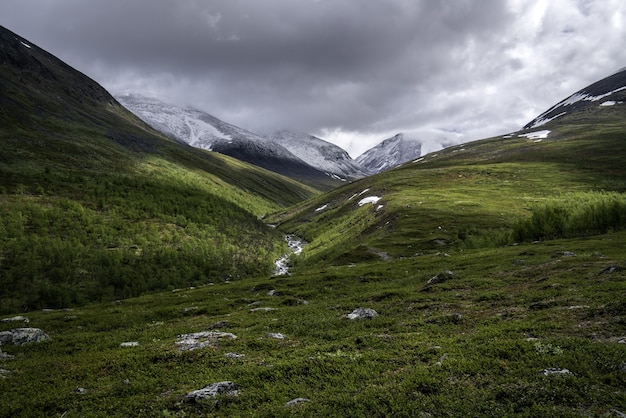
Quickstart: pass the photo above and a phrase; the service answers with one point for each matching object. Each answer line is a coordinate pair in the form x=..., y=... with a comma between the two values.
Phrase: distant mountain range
x=294, y=154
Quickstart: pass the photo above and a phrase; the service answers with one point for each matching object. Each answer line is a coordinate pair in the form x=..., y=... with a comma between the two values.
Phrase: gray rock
x=276, y=335
x=196, y=340
x=21, y=336
x=16, y=318
x=556, y=371
x=219, y=388
x=80, y=391
x=234, y=355
x=6, y=337
x=363, y=313
x=441, y=277
x=611, y=269
x=262, y=309
x=130, y=344
x=297, y=401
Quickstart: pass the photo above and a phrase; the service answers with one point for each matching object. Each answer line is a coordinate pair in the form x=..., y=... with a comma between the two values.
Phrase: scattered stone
x=234, y=355
x=5, y=356
x=556, y=371
x=130, y=344
x=271, y=292
x=563, y=254
x=189, y=309
x=276, y=335
x=219, y=388
x=16, y=318
x=80, y=391
x=262, y=309
x=69, y=317
x=194, y=341
x=4, y=373
x=126, y=382
x=297, y=401
x=540, y=305
x=219, y=324
x=442, y=276
x=21, y=336
x=618, y=414
x=620, y=341
x=362, y=313
x=611, y=269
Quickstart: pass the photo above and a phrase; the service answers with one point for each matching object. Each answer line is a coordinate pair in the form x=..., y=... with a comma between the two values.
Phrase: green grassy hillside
x=496, y=268
x=479, y=194
x=95, y=205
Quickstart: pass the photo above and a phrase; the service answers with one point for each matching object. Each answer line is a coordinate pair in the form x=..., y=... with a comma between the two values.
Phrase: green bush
x=581, y=214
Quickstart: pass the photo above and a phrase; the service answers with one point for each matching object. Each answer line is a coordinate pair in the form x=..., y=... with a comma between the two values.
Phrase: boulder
x=363, y=313
x=219, y=388
x=21, y=336
x=196, y=340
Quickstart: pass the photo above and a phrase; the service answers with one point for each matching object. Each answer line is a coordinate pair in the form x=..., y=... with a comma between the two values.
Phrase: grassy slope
x=475, y=345
x=95, y=205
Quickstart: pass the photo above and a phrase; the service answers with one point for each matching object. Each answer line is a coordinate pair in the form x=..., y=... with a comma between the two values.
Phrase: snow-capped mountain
x=199, y=129
x=609, y=91
x=319, y=153
x=389, y=153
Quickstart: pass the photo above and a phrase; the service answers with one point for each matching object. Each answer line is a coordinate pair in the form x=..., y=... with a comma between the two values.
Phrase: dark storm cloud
x=353, y=70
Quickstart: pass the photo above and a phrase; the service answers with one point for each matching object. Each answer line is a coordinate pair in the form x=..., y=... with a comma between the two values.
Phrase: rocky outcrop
x=227, y=388
x=362, y=313
x=22, y=336
x=193, y=341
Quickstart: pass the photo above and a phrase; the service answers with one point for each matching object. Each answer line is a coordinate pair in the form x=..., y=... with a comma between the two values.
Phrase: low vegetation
x=527, y=330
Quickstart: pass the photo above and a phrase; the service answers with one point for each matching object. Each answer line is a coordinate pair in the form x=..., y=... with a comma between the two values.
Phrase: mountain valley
x=484, y=279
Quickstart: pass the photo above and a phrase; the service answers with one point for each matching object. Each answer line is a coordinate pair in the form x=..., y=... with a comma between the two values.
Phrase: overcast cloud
x=350, y=71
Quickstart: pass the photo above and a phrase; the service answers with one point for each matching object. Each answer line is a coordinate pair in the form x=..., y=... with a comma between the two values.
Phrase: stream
x=282, y=264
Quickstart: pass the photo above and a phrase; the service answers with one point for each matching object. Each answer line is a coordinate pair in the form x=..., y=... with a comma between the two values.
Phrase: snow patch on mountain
x=369, y=199
x=319, y=153
x=535, y=135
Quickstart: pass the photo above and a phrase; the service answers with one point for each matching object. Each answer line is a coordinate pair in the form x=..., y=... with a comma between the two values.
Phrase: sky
x=352, y=72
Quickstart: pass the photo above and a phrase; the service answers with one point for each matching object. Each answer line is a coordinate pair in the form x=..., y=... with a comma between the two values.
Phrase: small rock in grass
x=262, y=309
x=219, y=324
x=80, y=391
x=196, y=340
x=362, y=313
x=130, y=344
x=276, y=335
x=234, y=355
x=16, y=319
x=297, y=401
x=611, y=269
x=227, y=388
x=4, y=373
x=556, y=371
x=442, y=276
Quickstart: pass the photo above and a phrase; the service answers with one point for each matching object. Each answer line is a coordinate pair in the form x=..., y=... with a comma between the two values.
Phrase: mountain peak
x=389, y=153
x=606, y=92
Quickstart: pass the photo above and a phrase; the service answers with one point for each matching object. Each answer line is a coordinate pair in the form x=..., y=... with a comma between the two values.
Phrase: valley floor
x=527, y=330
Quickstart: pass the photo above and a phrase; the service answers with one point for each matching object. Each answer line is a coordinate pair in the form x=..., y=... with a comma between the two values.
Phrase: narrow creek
x=295, y=246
